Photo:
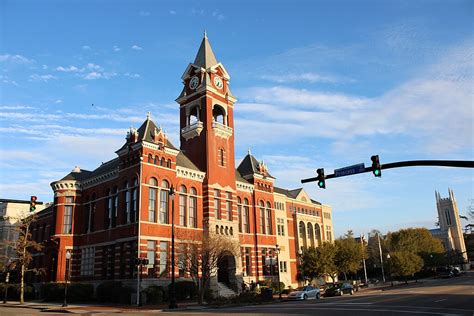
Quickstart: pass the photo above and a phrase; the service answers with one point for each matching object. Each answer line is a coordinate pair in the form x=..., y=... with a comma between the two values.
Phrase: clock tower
x=207, y=118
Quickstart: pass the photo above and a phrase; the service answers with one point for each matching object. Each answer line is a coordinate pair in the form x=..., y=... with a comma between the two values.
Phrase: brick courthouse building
x=103, y=216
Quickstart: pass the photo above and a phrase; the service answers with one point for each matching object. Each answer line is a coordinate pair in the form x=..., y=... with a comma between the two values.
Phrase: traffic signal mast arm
x=408, y=163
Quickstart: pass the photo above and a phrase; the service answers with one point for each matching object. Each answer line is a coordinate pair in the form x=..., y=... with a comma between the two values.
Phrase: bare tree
x=204, y=256
x=24, y=248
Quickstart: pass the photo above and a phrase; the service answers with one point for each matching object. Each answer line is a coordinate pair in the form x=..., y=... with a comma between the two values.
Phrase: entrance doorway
x=226, y=270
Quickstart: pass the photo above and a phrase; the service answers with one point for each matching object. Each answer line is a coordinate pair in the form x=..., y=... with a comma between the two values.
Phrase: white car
x=304, y=293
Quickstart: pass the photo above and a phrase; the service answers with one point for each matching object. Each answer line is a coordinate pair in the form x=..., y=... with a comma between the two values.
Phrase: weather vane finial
x=205, y=34
x=148, y=115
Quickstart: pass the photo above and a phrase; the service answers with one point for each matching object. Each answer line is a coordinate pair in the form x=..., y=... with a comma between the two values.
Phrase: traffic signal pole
x=400, y=164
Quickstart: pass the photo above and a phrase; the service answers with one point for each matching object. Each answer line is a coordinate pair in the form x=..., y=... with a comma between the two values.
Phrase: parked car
x=304, y=293
x=339, y=289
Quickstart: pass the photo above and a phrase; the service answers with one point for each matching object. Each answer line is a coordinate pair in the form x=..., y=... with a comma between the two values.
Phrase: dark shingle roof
x=239, y=177
x=77, y=175
x=106, y=167
x=249, y=166
x=292, y=193
x=183, y=161
x=205, y=57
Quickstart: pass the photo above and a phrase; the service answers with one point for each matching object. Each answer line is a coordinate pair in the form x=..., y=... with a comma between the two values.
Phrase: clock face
x=193, y=83
x=218, y=82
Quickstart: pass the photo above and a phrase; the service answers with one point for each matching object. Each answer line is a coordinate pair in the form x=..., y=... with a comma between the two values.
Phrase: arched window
x=150, y=158
x=310, y=234
x=126, y=195
x=448, y=217
x=221, y=157
x=218, y=113
x=262, y=217
x=194, y=115
x=228, y=206
x=317, y=233
x=303, y=233
x=193, y=208
x=164, y=202
x=182, y=205
x=239, y=213
x=157, y=160
x=168, y=163
x=268, y=218
x=162, y=161
x=245, y=219
x=152, y=198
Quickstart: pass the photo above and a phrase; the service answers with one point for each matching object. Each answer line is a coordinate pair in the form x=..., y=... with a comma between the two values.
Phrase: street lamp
x=173, y=303
x=390, y=269
x=68, y=258
x=277, y=248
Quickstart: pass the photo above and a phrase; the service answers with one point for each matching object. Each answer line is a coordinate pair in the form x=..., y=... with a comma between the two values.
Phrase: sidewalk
x=99, y=308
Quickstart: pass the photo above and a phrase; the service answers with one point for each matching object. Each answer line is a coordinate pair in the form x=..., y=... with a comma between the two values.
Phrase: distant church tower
x=450, y=223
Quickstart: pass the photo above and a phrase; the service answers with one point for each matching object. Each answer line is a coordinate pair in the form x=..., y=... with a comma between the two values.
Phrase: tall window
x=164, y=202
x=328, y=233
x=182, y=205
x=87, y=261
x=221, y=157
x=192, y=208
x=228, y=204
x=217, y=210
x=133, y=211
x=268, y=227
x=245, y=220
x=239, y=213
x=92, y=213
x=448, y=217
x=262, y=218
x=150, y=253
x=248, y=262
x=281, y=226
x=67, y=220
x=109, y=202
x=152, y=195
x=163, y=257
x=127, y=203
x=115, y=207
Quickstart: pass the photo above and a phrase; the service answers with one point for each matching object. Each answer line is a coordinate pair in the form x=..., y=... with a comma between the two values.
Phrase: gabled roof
x=183, y=161
x=292, y=194
x=250, y=166
x=145, y=132
x=239, y=177
x=205, y=57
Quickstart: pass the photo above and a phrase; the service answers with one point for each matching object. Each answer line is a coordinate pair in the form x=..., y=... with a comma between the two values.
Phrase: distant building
x=10, y=212
x=450, y=230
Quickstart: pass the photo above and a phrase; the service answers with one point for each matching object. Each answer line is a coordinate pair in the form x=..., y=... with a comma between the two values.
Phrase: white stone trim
x=222, y=130
x=193, y=130
x=100, y=179
x=183, y=172
x=242, y=186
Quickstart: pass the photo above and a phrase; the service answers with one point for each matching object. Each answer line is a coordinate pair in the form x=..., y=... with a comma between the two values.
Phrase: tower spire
x=205, y=57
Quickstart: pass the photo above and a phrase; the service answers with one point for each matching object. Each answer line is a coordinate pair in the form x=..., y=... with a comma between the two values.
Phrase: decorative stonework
x=100, y=178
x=192, y=131
x=190, y=174
x=242, y=186
x=66, y=185
x=221, y=130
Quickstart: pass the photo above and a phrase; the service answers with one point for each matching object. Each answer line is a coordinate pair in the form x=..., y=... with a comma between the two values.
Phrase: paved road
x=430, y=297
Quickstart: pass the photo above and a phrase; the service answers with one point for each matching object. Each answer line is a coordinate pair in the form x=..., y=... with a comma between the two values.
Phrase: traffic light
x=376, y=168
x=33, y=203
x=321, y=180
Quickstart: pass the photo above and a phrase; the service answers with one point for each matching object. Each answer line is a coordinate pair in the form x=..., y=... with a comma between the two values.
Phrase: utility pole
x=363, y=256
x=381, y=259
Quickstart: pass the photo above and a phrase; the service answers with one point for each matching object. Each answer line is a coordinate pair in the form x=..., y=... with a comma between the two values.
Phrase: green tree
x=317, y=262
x=418, y=241
x=405, y=263
x=349, y=254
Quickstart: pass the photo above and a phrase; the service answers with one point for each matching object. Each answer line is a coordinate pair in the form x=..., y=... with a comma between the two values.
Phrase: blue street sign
x=347, y=171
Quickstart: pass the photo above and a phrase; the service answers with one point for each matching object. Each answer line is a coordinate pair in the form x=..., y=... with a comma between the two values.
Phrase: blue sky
x=319, y=84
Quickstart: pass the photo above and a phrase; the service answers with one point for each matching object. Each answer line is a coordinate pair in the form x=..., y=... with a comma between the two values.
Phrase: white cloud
x=93, y=76
x=116, y=48
x=92, y=66
x=136, y=47
x=219, y=16
x=86, y=47
x=18, y=59
x=41, y=78
x=45, y=67
x=15, y=107
x=130, y=75
x=69, y=69
x=303, y=77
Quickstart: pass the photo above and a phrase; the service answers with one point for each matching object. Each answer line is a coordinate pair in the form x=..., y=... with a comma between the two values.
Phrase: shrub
x=154, y=294
x=275, y=287
x=109, y=291
x=51, y=292
x=80, y=292
x=185, y=290
x=125, y=296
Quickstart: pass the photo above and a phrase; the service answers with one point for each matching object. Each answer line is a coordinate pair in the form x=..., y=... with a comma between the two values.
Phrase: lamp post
x=277, y=250
x=390, y=269
x=173, y=303
x=362, y=240
x=68, y=258
x=300, y=253
x=381, y=259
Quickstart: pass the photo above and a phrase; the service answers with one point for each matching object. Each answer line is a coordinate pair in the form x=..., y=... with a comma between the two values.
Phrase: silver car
x=304, y=293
